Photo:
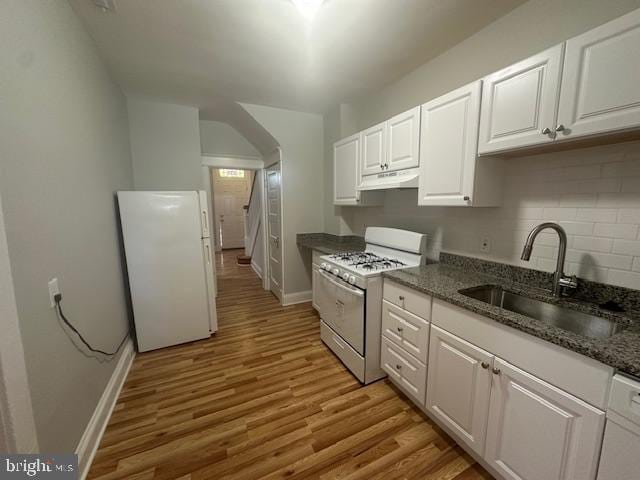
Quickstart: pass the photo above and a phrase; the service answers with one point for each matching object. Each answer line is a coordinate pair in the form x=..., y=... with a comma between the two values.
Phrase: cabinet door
x=537, y=431
x=600, y=79
x=448, y=148
x=459, y=386
x=403, y=141
x=373, y=149
x=519, y=103
x=315, y=276
x=346, y=171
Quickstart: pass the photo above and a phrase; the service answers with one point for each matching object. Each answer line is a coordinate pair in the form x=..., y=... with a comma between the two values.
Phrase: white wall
x=301, y=140
x=64, y=145
x=221, y=139
x=165, y=145
x=585, y=189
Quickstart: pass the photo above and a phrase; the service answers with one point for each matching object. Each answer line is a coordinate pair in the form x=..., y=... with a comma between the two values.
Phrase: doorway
x=231, y=194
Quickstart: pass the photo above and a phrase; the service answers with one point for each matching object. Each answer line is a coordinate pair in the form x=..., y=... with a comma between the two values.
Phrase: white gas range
x=350, y=296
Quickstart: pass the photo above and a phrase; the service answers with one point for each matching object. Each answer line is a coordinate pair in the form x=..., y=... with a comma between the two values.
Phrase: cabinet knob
x=381, y=167
x=401, y=297
x=400, y=329
x=485, y=365
x=466, y=198
x=386, y=165
x=398, y=367
x=496, y=371
x=546, y=131
x=560, y=128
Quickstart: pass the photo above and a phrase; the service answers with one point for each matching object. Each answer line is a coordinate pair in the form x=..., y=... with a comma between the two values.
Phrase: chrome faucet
x=560, y=280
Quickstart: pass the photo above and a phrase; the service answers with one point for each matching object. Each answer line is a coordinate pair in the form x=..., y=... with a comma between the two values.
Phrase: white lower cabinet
x=459, y=386
x=539, y=432
x=405, y=370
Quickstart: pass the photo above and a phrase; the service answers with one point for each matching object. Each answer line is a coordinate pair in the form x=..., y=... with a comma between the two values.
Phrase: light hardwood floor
x=265, y=399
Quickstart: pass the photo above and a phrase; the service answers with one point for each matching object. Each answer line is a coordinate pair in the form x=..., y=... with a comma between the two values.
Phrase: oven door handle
x=353, y=291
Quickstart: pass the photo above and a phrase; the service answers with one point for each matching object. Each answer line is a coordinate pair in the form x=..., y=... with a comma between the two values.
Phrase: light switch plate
x=53, y=291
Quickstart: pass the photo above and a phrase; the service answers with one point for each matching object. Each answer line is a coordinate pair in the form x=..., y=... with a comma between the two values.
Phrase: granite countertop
x=329, y=243
x=443, y=281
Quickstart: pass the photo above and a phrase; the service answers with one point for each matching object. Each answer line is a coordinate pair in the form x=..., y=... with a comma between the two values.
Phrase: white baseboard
x=92, y=435
x=257, y=269
x=297, y=297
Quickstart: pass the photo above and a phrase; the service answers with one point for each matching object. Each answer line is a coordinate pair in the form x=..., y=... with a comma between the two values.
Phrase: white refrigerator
x=170, y=266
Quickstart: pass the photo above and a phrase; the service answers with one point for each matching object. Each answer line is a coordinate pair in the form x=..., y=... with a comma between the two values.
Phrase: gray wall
x=301, y=140
x=220, y=139
x=165, y=146
x=526, y=30
x=64, y=145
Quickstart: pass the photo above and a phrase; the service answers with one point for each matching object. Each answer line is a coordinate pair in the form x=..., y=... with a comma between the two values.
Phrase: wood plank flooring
x=265, y=399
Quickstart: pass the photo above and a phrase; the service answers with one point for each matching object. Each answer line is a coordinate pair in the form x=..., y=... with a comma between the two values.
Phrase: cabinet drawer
x=404, y=370
x=406, y=330
x=343, y=351
x=408, y=299
x=315, y=257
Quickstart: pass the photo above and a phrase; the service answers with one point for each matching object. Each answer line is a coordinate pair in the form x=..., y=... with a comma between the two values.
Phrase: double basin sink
x=567, y=319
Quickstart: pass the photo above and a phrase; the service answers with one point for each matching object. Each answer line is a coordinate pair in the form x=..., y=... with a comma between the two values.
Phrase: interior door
x=346, y=171
x=231, y=193
x=600, y=79
x=374, y=149
x=273, y=189
x=403, y=141
x=519, y=103
x=537, y=431
x=459, y=386
x=449, y=139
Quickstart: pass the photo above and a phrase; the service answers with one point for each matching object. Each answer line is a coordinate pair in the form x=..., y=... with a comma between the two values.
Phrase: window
x=229, y=173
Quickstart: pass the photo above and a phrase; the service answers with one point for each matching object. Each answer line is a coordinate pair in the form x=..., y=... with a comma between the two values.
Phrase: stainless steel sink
x=564, y=318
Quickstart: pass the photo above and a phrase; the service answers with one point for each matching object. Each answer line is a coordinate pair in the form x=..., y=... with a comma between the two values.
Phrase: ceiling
x=201, y=52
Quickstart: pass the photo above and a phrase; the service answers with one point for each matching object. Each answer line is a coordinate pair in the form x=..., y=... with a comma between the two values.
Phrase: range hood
x=387, y=180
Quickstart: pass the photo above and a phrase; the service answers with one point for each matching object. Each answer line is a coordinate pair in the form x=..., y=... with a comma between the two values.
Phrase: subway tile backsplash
x=593, y=193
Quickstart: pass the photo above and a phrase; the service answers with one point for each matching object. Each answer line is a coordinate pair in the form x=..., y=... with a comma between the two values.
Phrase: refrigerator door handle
x=204, y=221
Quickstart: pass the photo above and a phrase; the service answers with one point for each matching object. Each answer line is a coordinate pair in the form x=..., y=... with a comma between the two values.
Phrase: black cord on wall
x=58, y=299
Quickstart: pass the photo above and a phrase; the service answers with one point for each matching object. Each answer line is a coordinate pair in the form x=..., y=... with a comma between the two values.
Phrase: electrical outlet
x=485, y=244
x=53, y=291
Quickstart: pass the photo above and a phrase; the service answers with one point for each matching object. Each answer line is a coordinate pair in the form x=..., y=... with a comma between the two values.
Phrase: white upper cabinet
x=448, y=148
x=403, y=141
x=519, y=103
x=601, y=80
x=459, y=386
x=374, y=149
x=346, y=170
x=537, y=431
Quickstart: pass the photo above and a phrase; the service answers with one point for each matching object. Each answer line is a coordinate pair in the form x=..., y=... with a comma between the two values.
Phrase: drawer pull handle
x=496, y=371
x=398, y=367
x=485, y=365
